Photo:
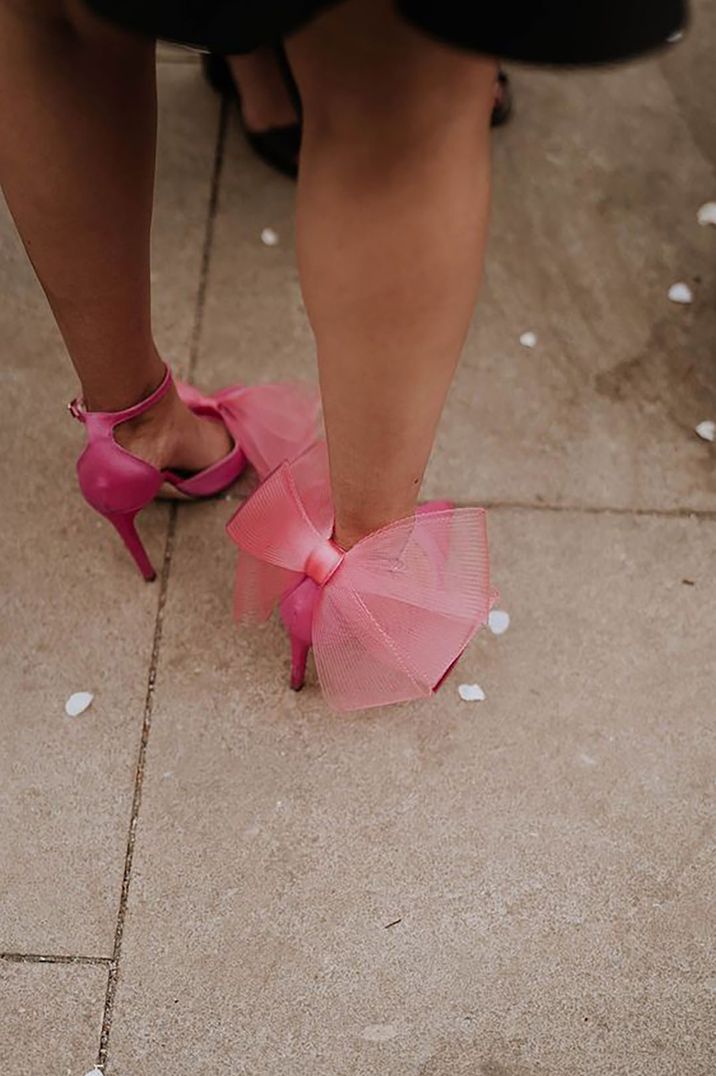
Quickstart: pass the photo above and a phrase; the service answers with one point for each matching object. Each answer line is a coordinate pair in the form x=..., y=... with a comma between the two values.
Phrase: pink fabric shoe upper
x=393, y=613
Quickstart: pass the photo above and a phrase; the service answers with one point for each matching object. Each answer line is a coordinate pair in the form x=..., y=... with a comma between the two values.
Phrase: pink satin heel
x=296, y=609
x=387, y=619
x=266, y=423
x=127, y=531
x=299, y=656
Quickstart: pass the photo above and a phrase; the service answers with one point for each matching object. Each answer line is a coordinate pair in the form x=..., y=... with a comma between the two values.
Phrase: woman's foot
x=502, y=105
x=268, y=103
x=171, y=437
x=265, y=98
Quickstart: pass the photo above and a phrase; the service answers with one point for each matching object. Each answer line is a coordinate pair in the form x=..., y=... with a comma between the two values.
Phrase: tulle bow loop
x=273, y=526
x=272, y=422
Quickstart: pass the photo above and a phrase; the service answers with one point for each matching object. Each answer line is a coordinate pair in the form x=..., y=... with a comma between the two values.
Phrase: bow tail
x=259, y=587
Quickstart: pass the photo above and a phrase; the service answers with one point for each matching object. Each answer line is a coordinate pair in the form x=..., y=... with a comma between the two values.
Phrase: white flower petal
x=471, y=693
x=680, y=293
x=707, y=213
x=707, y=430
x=498, y=621
x=528, y=339
x=269, y=237
x=78, y=703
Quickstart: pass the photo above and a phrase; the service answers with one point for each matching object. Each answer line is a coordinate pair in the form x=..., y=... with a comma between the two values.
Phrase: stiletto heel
x=299, y=657
x=128, y=533
x=297, y=608
x=266, y=424
x=386, y=619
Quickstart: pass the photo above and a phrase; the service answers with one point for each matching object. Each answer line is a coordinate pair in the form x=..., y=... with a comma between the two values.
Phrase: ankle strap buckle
x=76, y=409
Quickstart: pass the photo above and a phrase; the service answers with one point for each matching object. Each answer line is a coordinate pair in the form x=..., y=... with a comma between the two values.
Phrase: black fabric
x=551, y=31
x=537, y=31
x=223, y=26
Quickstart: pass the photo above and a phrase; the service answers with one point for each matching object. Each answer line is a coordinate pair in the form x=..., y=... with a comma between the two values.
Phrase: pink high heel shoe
x=267, y=424
x=387, y=619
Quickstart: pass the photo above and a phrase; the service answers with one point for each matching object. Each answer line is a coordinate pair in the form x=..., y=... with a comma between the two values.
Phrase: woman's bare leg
x=392, y=211
x=77, y=137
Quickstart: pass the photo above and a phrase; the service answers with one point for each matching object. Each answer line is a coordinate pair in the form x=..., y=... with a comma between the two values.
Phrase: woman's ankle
x=349, y=531
x=122, y=393
x=170, y=436
x=151, y=434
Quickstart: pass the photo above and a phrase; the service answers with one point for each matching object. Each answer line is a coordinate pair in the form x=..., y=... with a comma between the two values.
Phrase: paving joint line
x=704, y=514
x=113, y=963
x=208, y=244
x=57, y=958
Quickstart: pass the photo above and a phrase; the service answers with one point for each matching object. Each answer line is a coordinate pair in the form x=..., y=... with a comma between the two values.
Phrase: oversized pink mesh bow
x=271, y=422
x=394, y=613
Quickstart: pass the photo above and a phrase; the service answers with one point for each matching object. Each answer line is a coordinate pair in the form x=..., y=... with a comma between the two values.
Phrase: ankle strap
x=78, y=410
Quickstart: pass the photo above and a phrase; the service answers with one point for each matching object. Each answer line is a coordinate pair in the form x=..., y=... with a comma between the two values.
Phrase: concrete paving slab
x=76, y=616
x=176, y=54
x=688, y=68
x=50, y=1018
x=255, y=327
x=543, y=856
x=596, y=187
x=188, y=130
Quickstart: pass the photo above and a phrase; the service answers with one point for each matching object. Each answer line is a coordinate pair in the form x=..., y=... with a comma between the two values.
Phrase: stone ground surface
x=198, y=876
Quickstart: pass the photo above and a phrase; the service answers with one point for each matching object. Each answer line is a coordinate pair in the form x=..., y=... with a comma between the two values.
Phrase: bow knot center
x=323, y=560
